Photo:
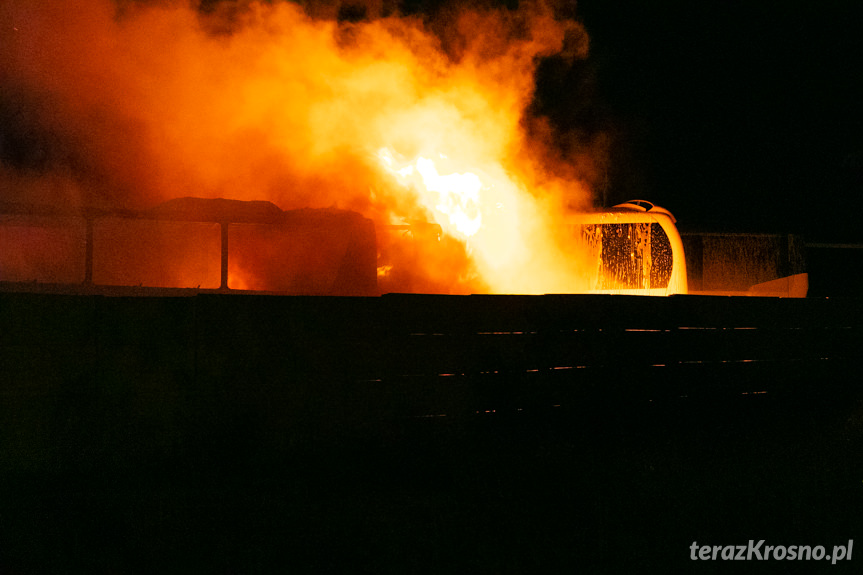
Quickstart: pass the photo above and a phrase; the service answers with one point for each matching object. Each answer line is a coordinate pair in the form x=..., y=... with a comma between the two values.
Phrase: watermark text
x=759, y=551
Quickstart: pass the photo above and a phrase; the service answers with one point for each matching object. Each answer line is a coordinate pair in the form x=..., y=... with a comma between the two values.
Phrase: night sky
x=736, y=116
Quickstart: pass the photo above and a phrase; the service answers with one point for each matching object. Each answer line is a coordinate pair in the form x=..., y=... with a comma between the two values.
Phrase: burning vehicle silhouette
x=220, y=245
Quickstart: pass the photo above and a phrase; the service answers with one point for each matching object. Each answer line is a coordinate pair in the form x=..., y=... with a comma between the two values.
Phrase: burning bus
x=230, y=245
x=383, y=117
x=188, y=244
x=635, y=247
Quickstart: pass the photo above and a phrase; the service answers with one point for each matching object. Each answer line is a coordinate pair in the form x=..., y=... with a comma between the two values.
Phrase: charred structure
x=189, y=244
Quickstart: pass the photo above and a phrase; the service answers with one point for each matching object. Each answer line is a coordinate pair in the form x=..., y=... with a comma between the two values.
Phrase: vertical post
x=88, y=252
x=224, y=283
x=605, y=186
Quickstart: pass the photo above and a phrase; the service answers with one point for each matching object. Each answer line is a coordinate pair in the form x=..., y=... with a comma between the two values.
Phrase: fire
x=454, y=199
x=399, y=118
x=500, y=224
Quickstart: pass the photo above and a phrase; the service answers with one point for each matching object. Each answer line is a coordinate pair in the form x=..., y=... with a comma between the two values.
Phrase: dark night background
x=736, y=116
x=231, y=433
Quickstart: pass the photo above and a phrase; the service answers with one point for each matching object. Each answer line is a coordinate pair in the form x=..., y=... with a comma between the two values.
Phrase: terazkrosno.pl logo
x=758, y=551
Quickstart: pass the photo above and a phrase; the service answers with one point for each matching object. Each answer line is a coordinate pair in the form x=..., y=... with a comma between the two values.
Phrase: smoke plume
x=128, y=104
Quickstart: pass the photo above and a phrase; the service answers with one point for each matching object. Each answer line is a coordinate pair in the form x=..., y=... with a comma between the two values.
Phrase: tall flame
x=129, y=104
x=454, y=199
x=514, y=245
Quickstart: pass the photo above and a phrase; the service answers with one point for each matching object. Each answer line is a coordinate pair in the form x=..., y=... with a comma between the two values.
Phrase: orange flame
x=454, y=198
x=383, y=117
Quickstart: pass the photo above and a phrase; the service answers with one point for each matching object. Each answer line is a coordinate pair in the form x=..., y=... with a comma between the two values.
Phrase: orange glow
x=384, y=117
x=515, y=246
x=453, y=199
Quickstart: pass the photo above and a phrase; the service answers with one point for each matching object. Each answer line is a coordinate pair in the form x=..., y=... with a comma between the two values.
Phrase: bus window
x=633, y=252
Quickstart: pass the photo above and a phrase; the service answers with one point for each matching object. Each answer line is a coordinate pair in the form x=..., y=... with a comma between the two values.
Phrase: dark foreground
x=243, y=434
